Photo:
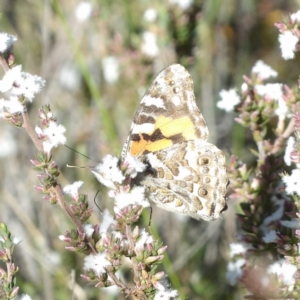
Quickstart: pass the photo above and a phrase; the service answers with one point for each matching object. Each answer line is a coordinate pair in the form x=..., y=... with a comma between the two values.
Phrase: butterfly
x=185, y=174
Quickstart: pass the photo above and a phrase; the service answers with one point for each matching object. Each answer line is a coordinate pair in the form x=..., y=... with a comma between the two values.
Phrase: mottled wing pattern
x=190, y=178
x=186, y=174
x=167, y=114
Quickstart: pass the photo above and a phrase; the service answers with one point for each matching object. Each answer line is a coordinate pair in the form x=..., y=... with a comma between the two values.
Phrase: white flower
x=110, y=67
x=149, y=45
x=134, y=165
x=284, y=270
x=108, y=172
x=136, y=196
x=107, y=221
x=269, y=90
x=270, y=237
x=21, y=83
x=288, y=43
x=295, y=17
x=292, y=182
x=238, y=248
x=288, y=150
x=294, y=223
x=183, y=4
x=72, y=189
x=12, y=106
x=83, y=11
x=97, y=263
x=150, y=15
x=88, y=229
x=145, y=238
x=263, y=71
x=235, y=271
x=166, y=295
x=6, y=41
x=229, y=99
x=53, y=136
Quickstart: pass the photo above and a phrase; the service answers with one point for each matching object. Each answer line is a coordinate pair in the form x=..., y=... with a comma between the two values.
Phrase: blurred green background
x=98, y=58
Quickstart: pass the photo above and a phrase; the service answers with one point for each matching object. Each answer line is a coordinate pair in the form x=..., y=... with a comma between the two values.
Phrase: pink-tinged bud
x=39, y=188
x=247, y=80
x=116, y=248
x=35, y=162
x=158, y=276
x=65, y=238
x=88, y=278
x=152, y=259
x=162, y=250
x=158, y=286
x=41, y=114
x=149, y=247
x=70, y=248
x=99, y=284
x=106, y=240
x=11, y=59
x=135, y=232
x=14, y=292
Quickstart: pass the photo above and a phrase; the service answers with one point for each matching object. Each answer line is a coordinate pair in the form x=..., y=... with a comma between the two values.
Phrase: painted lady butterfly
x=185, y=173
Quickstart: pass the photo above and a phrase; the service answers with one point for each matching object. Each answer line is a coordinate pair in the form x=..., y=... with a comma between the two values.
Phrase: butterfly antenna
x=77, y=152
x=95, y=201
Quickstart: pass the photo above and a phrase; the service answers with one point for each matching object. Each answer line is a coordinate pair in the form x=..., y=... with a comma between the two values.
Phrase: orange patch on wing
x=139, y=147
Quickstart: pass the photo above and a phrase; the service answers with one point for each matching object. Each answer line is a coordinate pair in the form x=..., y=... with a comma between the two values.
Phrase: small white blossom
x=107, y=221
x=235, y=271
x=164, y=293
x=135, y=197
x=150, y=15
x=111, y=68
x=134, y=165
x=263, y=71
x=288, y=42
x=288, y=150
x=53, y=136
x=11, y=106
x=108, y=172
x=183, y=4
x=284, y=270
x=83, y=11
x=294, y=223
x=229, y=99
x=88, y=229
x=149, y=45
x=6, y=41
x=270, y=237
x=145, y=238
x=96, y=263
x=292, y=182
x=295, y=17
x=72, y=189
x=21, y=83
x=269, y=90
x=238, y=248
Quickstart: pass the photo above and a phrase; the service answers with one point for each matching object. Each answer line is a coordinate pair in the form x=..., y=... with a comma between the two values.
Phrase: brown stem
x=61, y=201
x=279, y=142
x=27, y=126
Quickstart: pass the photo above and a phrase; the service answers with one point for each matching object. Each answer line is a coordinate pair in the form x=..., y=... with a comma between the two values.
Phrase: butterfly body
x=186, y=174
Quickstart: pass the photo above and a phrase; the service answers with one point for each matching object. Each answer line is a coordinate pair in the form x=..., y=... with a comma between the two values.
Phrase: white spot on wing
x=143, y=128
x=158, y=102
x=183, y=172
x=176, y=100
